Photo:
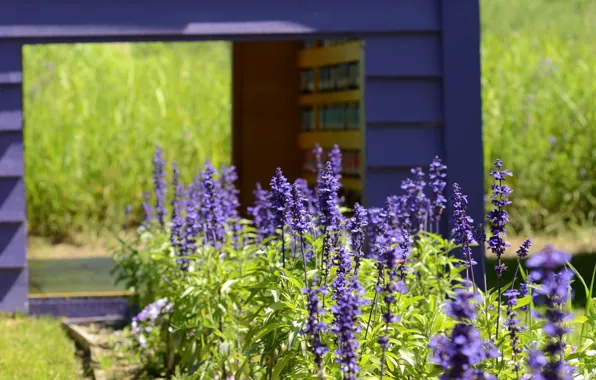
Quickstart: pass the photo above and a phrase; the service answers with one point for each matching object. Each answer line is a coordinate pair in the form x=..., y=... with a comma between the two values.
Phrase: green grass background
x=95, y=112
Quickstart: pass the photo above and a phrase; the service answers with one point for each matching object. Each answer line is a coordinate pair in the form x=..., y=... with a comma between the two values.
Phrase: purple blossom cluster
x=357, y=227
x=437, y=175
x=147, y=318
x=462, y=228
x=348, y=295
x=498, y=217
x=459, y=353
x=512, y=324
x=314, y=326
x=551, y=296
x=262, y=214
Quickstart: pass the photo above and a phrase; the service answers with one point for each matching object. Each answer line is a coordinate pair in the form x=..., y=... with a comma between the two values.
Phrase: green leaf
x=279, y=367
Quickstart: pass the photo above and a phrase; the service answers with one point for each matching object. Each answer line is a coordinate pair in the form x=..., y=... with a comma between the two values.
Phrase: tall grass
x=94, y=113
x=539, y=98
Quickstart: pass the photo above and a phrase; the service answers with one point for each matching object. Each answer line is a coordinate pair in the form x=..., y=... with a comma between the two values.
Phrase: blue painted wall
x=421, y=83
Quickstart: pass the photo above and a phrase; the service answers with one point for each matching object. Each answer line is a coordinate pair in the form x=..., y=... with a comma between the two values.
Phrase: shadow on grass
x=71, y=275
x=583, y=262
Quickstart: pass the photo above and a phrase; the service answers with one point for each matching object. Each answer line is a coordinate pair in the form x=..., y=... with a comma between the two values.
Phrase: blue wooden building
x=416, y=92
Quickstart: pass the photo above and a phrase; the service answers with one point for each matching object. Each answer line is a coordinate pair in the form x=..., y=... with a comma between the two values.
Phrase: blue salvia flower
x=210, y=213
x=147, y=210
x=281, y=200
x=523, y=292
x=462, y=228
x=176, y=222
x=513, y=327
x=551, y=295
x=318, y=152
x=416, y=203
x=327, y=188
x=229, y=201
x=192, y=222
x=437, y=174
x=357, y=226
x=335, y=157
x=314, y=325
x=159, y=183
x=464, y=348
x=145, y=320
x=300, y=220
x=524, y=249
x=261, y=213
x=498, y=217
x=348, y=295
x=310, y=195
x=376, y=226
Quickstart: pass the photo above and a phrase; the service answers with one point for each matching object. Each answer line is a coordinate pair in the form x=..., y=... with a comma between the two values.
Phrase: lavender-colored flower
x=327, y=188
x=523, y=292
x=551, y=296
x=357, y=226
x=177, y=223
x=148, y=317
x=281, y=200
x=314, y=326
x=498, y=217
x=229, y=201
x=376, y=221
x=461, y=308
x=335, y=157
x=300, y=221
x=462, y=227
x=310, y=195
x=261, y=213
x=524, y=249
x=348, y=295
x=159, y=183
x=513, y=327
x=416, y=203
x=458, y=353
x=147, y=210
x=437, y=174
x=318, y=152
x=210, y=213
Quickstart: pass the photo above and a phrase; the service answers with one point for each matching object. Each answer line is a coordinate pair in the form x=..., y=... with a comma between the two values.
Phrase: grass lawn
x=36, y=348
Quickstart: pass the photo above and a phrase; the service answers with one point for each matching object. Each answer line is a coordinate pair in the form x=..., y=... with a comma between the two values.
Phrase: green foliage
x=240, y=313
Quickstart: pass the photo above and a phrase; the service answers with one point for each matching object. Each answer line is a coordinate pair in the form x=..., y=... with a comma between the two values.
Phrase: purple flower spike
x=462, y=227
x=300, y=221
x=327, y=188
x=437, y=174
x=147, y=210
x=357, y=227
x=159, y=183
x=261, y=213
x=210, y=213
x=524, y=249
x=281, y=200
x=314, y=327
x=551, y=296
x=335, y=157
x=512, y=326
x=177, y=223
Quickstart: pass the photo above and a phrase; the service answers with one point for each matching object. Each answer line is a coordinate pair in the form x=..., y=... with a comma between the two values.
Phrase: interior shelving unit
x=331, y=107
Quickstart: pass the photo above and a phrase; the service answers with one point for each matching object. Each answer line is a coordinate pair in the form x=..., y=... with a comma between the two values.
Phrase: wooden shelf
x=348, y=140
x=349, y=96
x=347, y=182
x=332, y=55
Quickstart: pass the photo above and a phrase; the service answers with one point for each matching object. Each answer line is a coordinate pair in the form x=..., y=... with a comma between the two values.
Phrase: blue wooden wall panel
x=42, y=18
x=13, y=235
x=13, y=242
x=11, y=154
x=404, y=55
x=403, y=145
x=383, y=182
x=12, y=199
x=14, y=284
x=403, y=100
x=462, y=105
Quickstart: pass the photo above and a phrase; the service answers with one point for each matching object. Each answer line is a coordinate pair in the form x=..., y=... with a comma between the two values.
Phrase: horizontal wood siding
x=404, y=109
x=166, y=19
x=13, y=236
